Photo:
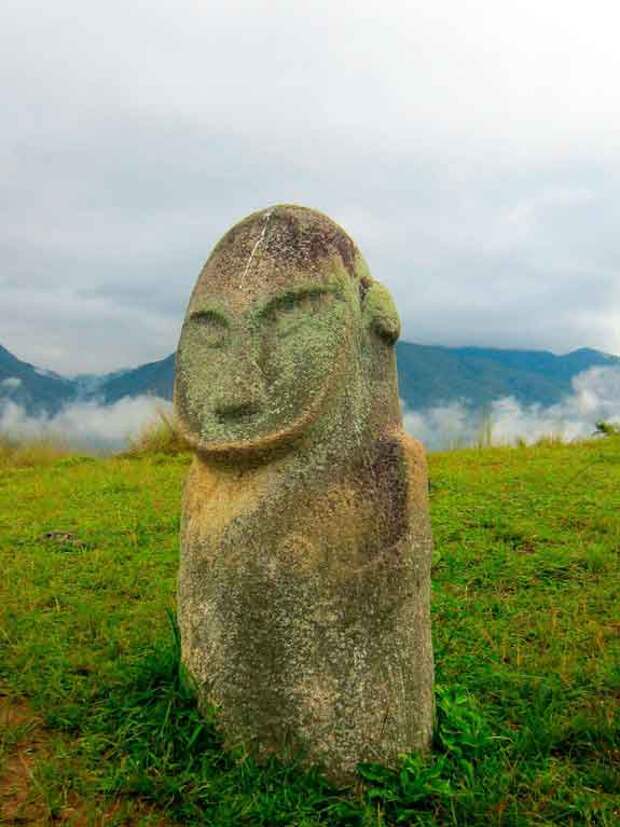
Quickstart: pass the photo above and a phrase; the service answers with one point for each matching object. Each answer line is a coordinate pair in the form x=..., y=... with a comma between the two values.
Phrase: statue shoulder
x=413, y=457
x=410, y=448
x=413, y=450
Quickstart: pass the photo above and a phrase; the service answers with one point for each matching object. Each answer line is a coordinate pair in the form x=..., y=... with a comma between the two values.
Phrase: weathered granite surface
x=305, y=566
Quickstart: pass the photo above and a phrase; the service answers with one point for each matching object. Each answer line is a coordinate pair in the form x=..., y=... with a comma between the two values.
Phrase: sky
x=471, y=148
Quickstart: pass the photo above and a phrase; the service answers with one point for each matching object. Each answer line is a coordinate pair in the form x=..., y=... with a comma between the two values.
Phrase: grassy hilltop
x=97, y=728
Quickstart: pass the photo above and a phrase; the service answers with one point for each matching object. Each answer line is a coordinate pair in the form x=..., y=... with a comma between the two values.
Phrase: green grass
x=526, y=630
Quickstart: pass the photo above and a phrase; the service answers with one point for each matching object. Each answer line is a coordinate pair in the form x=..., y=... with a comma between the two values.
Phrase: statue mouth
x=238, y=424
x=237, y=414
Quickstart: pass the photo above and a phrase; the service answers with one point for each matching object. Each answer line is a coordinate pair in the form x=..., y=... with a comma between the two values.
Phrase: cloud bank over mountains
x=91, y=426
x=596, y=397
x=469, y=148
x=85, y=426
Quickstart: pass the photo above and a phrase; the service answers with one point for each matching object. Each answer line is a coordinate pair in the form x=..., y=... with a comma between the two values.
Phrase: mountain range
x=429, y=375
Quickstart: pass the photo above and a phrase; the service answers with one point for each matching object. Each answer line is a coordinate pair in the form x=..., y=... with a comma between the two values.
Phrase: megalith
x=304, y=582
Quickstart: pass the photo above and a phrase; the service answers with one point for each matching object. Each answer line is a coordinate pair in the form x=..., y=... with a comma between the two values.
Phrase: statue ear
x=379, y=311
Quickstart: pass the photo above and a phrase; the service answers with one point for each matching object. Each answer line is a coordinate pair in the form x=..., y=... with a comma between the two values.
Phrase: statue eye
x=212, y=328
x=289, y=312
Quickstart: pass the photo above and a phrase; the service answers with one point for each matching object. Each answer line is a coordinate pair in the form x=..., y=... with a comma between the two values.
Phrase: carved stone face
x=267, y=332
x=261, y=367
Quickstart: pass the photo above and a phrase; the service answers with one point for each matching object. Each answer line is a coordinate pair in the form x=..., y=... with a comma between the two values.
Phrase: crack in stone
x=256, y=246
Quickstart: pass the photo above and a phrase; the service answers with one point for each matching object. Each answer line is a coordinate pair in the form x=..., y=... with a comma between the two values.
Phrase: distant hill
x=155, y=378
x=32, y=388
x=429, y=375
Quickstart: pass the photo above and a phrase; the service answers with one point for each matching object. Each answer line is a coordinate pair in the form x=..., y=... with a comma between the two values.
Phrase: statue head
x=280, y=317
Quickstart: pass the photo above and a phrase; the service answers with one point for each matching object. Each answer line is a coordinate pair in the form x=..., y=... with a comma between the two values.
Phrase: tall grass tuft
x=27, y=453
x=161, y=435
x=485, y=432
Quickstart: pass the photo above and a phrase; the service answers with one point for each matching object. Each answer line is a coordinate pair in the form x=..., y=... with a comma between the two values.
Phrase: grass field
x=98, y=728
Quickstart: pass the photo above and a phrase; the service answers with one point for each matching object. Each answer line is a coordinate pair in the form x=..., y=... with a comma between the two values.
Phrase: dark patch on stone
x=347, y=251
x=294, y=236
x=307, y=237
x=364, y=287
x=385, y=483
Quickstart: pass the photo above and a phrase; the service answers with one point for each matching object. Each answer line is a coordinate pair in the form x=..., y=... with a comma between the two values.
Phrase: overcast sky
x=471, y=148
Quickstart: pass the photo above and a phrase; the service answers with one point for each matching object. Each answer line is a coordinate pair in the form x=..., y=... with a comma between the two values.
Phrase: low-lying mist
x=98, y=428
x=595, y=397
x=85, y=426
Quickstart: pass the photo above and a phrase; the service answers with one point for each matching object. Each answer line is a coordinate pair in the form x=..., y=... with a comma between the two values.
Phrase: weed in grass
x=604, y=428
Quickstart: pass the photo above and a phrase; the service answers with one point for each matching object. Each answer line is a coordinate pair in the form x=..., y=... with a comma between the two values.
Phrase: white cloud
x=596, y=396
x=85, y=425
x=11, y=383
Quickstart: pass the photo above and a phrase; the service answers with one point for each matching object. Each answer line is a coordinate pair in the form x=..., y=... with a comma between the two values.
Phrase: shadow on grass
x=158, y=747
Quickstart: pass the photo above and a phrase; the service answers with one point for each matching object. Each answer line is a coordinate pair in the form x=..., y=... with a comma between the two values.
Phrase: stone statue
x=305, y=553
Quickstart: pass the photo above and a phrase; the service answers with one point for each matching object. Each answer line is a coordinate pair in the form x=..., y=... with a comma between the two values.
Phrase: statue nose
x=240, y=394
x=240, y=397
